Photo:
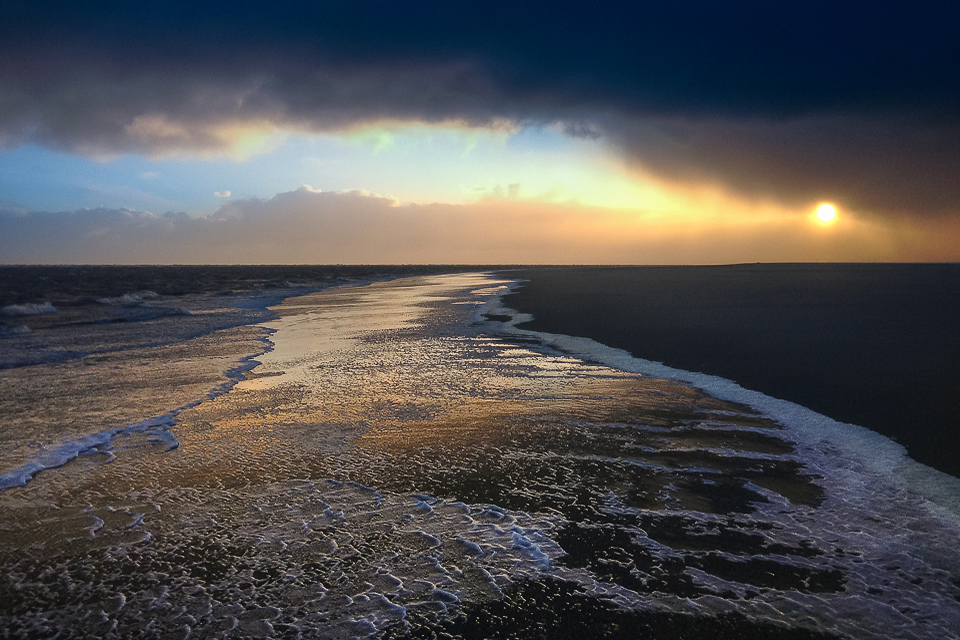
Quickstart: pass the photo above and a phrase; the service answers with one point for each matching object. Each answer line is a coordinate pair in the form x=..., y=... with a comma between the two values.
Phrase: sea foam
x=410, y=539
x=28, y=309
x=868, y=451
x=155, y=428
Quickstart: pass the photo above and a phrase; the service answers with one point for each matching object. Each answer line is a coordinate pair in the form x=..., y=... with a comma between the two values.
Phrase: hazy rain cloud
x=308, y=226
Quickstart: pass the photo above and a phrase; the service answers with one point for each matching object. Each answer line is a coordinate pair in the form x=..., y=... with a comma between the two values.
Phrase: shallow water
x=399, y=466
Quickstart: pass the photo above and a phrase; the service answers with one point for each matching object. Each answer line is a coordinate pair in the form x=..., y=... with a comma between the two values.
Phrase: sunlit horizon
x=149, y=144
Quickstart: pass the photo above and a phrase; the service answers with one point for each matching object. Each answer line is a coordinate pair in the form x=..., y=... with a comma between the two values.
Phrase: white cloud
x=354, y=227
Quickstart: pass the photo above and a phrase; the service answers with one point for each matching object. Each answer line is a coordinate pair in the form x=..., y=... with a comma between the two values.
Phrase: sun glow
x=455, y=164
x=826, y=212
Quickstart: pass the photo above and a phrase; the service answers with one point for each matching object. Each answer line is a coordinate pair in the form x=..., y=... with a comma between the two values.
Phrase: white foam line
x=27, y=309
x=93, y=443
x=157, y=427
x=870, y=452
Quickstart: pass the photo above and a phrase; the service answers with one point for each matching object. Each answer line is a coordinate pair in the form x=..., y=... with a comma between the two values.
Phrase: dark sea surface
x=391, y=452
x=83, y=284
x=876, y=345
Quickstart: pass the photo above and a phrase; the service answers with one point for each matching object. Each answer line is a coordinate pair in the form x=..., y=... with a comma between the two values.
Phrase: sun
x=826, y=212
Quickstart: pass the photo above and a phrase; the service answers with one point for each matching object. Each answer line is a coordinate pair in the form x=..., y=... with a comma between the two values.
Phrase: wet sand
x=874, y=345
x=396, y=467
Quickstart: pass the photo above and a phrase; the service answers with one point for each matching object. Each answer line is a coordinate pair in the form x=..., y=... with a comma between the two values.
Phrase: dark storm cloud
x=852, y=100
x=883, y=164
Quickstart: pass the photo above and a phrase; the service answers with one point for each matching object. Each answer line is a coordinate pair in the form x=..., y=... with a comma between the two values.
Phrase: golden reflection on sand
x=393, y=451
x=386, y=376
x=370, y=379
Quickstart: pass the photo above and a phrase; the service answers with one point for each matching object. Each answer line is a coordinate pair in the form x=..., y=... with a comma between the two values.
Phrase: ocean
x=313, y=452
x=877, y=345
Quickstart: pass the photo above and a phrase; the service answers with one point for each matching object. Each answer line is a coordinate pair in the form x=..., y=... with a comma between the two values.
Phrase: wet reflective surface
x=399, y=466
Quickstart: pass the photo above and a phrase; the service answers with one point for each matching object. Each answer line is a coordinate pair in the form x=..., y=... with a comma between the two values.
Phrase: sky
x=469, y=132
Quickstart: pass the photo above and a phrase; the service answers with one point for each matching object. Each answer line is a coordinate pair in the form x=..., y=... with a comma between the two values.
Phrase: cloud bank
x=309, y=227
x=855, y=101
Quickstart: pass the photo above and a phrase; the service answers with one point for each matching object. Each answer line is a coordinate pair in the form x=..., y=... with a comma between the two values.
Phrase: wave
x=138, y=298
x=16, y=330
x=28, y=309
x=133, y=308
x=156, y=429
x=818, y=436
x=536, y=507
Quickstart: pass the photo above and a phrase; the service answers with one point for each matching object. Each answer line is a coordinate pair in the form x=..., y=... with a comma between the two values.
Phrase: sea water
x=399, y=460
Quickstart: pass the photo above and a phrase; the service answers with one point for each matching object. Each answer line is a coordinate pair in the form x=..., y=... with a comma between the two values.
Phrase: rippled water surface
x=399, y=465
